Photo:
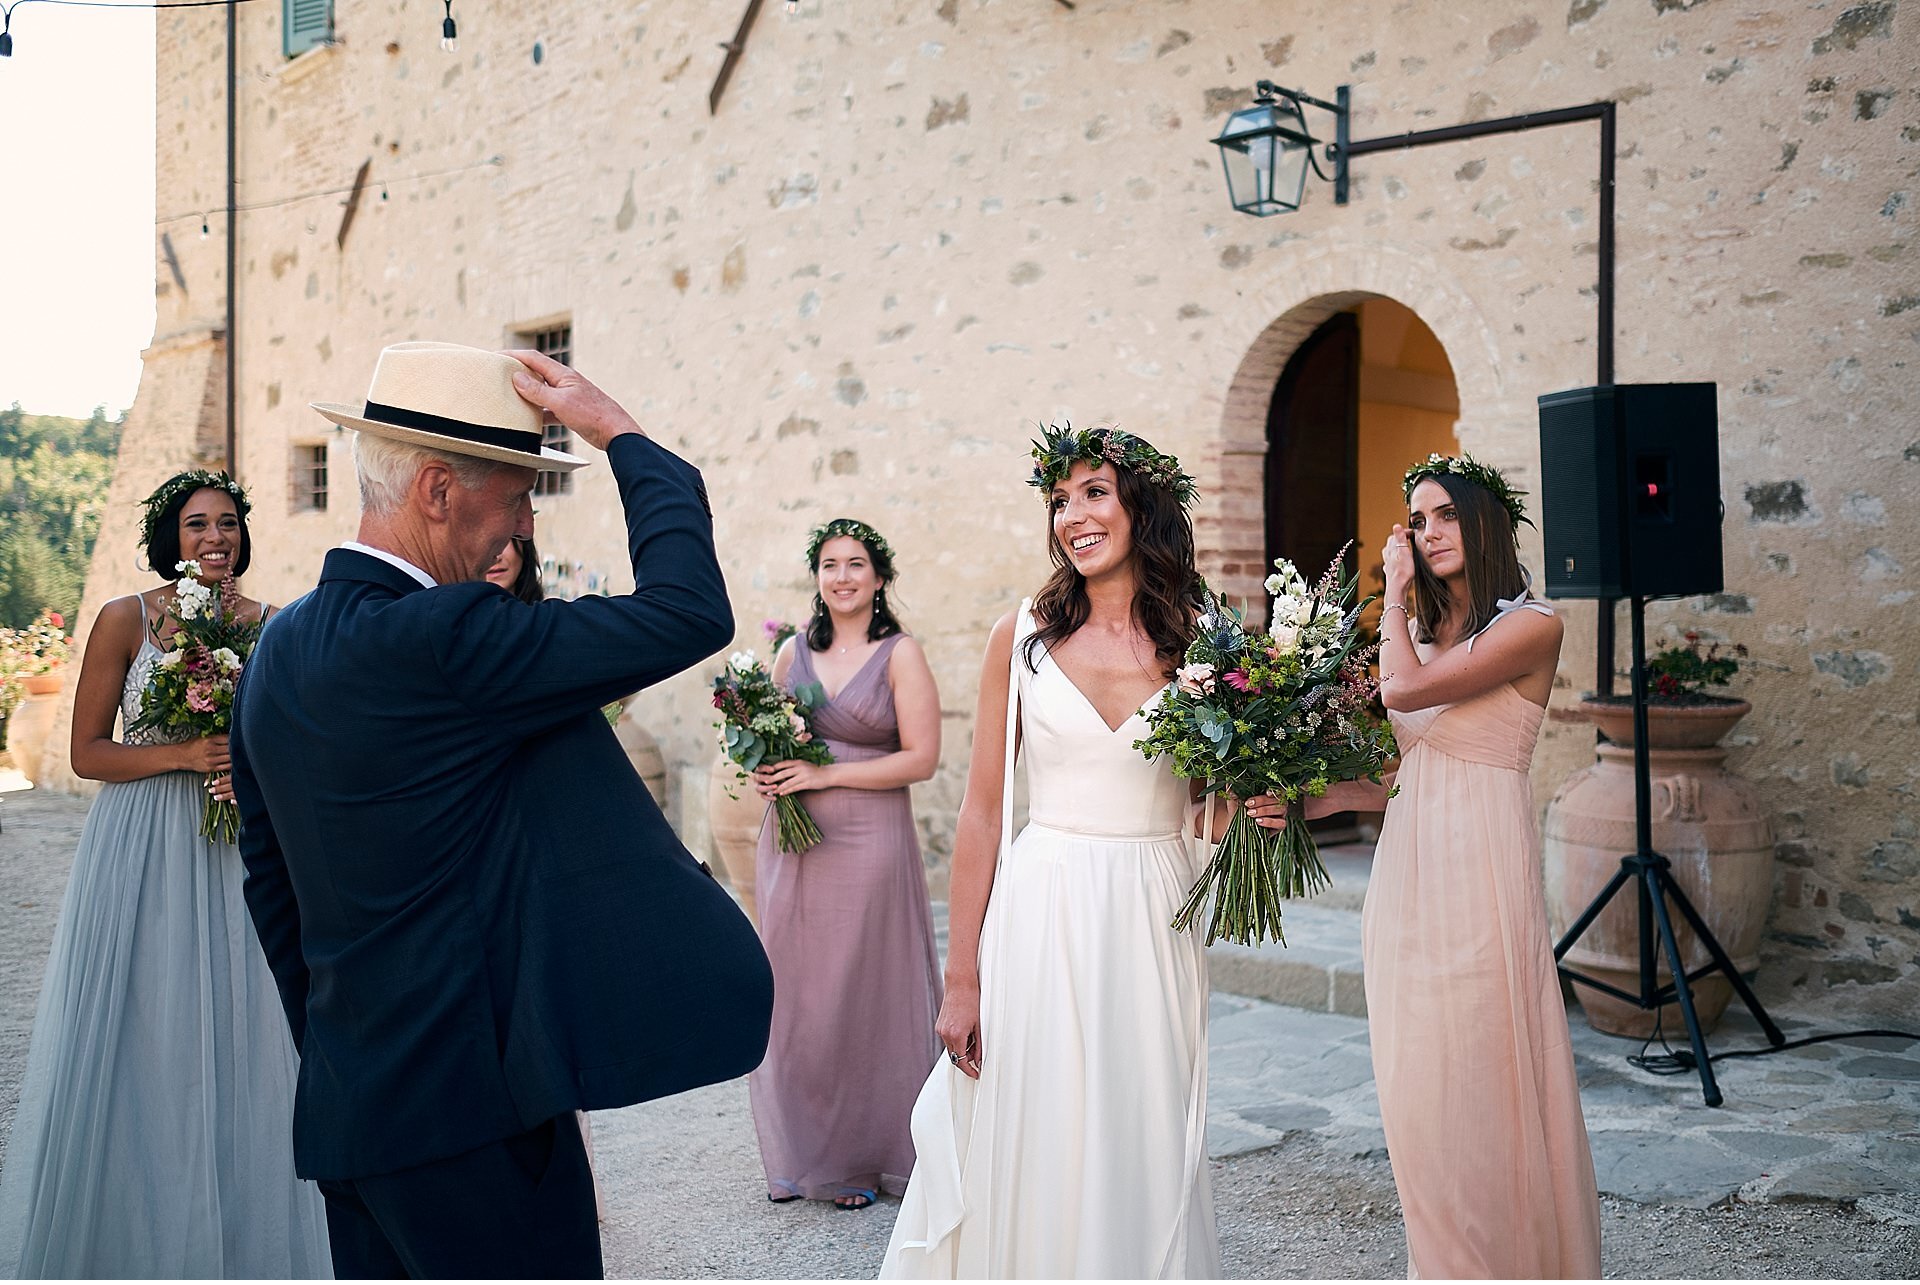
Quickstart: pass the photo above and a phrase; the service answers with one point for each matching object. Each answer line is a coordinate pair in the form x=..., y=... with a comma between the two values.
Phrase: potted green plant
x=1680, y=713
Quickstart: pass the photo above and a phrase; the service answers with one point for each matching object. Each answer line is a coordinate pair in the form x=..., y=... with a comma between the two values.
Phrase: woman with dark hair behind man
x=517, y=570
x=1471, y=1055
x=846, y=923
x=154, y=1133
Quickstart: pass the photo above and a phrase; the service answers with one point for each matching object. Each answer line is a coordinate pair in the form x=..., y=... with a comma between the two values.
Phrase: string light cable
x=447, y=30
x=6, y=11
x=276, y=202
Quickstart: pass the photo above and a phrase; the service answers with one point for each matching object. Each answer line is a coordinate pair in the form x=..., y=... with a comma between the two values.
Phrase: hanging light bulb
x=204, y=231
x=6, y=35
x=793, y=6
x=449, y=34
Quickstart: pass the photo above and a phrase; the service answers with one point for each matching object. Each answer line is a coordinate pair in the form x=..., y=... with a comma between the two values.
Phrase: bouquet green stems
x=1284, y=712
x=761, y=724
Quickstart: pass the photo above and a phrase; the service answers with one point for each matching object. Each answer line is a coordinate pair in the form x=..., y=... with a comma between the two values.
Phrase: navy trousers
x=520, y=1207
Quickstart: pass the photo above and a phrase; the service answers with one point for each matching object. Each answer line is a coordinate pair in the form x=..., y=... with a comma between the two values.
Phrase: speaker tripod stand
x=1652, y=878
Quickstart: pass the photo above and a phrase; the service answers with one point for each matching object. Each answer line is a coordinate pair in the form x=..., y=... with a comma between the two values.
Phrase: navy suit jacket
x=477, y=917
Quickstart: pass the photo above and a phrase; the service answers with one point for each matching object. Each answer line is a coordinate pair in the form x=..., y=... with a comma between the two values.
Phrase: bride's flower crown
x=187, y=483
x=847, y=526
x=1481, y=475
x=1060, y=448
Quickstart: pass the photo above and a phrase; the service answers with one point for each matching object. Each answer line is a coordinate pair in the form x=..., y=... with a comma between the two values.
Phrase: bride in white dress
x=1065, y=1134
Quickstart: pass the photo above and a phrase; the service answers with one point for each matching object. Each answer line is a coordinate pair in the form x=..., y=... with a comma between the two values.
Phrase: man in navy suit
x=478, y=919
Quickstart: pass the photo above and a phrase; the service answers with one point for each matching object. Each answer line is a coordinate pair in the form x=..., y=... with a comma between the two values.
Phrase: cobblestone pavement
x=1808, y=1171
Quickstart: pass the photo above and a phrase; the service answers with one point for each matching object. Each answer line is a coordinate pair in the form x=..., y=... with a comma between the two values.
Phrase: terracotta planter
x=32, y=721
x=734, y=820
x=644, y=753
x=1710, y=824
x=1669, y=727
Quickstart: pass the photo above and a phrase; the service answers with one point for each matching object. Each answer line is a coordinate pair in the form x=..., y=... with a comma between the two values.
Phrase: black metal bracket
x=1604, y=113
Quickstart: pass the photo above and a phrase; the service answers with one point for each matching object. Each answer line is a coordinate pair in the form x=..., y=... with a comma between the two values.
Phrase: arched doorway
x=1367, y=393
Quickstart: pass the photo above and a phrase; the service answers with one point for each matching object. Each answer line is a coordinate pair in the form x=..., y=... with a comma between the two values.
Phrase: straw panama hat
x=452, y=398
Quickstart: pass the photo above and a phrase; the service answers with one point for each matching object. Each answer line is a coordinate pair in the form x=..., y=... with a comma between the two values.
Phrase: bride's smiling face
x=1094, y=529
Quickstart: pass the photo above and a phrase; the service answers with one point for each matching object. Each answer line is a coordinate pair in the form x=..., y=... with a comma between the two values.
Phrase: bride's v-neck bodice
x=1083, y=776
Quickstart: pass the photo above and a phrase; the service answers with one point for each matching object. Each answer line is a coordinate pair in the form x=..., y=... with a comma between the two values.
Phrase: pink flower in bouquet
x=1196, y=679
x=200, y=697
x=1237, y=680
x=57, y=620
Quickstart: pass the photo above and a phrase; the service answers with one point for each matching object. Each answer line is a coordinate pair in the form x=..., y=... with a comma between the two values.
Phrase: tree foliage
x=54, y=475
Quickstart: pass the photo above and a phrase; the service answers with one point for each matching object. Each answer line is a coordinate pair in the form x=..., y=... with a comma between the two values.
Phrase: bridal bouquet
x=760, y=724
x=190, y=692
x=1283, y=712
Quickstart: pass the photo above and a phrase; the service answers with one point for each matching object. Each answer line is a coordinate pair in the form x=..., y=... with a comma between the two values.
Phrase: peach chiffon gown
x=1471, y=1057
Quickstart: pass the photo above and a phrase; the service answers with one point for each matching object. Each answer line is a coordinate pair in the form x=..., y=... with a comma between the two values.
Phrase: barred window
x=555, y=341
x=310, y=477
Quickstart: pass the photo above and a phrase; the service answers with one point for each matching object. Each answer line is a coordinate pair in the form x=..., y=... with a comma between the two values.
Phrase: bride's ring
x=953, y=1057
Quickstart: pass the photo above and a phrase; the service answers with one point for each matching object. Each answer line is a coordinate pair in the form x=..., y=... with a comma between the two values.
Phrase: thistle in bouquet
x=760, y=724
x=1283, y=712
x=190, y=692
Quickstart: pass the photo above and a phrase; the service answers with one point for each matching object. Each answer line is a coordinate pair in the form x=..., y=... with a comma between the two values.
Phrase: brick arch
x=1273, y=314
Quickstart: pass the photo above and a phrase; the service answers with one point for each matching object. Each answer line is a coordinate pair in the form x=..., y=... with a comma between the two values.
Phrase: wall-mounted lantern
x=1267, y=148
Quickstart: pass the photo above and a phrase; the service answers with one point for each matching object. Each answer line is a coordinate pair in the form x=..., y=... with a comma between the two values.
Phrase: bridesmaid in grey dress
x=847, y=923
x=154, y=1133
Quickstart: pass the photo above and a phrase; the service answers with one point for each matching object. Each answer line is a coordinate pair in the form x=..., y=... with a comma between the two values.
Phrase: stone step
x=1318, y=970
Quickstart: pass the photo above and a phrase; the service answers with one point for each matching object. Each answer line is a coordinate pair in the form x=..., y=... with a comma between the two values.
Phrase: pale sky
x=76, y=208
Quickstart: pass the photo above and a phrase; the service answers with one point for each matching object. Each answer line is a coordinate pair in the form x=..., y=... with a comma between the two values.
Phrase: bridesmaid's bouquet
x=190, y=692
x=1285, y=712
x=759, y=724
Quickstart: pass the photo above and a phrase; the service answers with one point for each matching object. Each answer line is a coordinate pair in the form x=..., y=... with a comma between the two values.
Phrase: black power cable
x=1672, y=1061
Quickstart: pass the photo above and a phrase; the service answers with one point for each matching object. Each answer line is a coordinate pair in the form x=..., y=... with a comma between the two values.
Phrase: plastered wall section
x=914, y=228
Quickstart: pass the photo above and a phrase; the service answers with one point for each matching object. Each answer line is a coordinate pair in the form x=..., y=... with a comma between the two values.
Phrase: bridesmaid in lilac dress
x=847, y=923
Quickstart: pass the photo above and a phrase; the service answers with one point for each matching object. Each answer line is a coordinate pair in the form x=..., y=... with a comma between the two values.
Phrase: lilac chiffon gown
x=849, y=930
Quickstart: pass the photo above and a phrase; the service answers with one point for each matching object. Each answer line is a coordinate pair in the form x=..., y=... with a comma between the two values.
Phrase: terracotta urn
x=32, y=721
x=644, y=753
x=1713, y=827
x=1674, y=727
x=735, y=815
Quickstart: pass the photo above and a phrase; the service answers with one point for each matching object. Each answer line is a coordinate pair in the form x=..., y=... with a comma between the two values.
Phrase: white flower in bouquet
x=172, y=659
x=1289, y=610
x=1286, y=635
x=1196, y=680
x=742, y=661
x=225, y=658
x=1286, y=580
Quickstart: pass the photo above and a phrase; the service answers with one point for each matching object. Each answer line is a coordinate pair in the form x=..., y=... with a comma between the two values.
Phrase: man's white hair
x=386, y=468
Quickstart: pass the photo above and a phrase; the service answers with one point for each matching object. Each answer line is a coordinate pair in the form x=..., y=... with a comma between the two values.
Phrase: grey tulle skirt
x=154, y=1131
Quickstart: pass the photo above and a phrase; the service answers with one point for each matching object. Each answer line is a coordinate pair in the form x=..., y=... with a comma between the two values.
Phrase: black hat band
x=512, y=439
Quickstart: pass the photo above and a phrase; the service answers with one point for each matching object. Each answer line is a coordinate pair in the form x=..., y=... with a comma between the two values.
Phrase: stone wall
x=915, y=226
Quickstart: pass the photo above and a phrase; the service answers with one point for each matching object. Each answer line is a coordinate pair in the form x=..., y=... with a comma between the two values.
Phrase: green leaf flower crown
x=1481, y=475
x=846, y=526
x=1060, y=448
x=186, y=484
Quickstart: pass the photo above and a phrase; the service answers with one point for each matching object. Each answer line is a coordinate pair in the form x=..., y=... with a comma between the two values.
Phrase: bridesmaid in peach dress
x=1471, y=1056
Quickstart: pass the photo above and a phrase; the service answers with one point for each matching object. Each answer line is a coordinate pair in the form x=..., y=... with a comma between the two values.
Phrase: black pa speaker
x=1630, y=491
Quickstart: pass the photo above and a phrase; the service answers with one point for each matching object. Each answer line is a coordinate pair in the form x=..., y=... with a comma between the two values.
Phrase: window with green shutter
x=304, y=24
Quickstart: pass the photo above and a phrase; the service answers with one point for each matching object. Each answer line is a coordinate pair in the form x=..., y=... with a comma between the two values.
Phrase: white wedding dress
x=1081, y=1150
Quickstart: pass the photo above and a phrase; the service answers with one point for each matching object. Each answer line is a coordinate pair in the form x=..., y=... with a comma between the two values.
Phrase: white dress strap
x=1022, y=628
x=1523, y=601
